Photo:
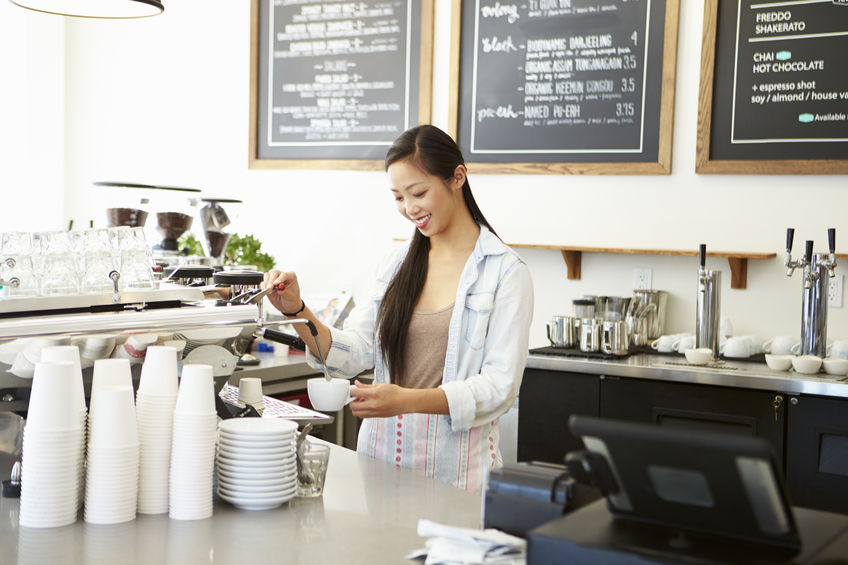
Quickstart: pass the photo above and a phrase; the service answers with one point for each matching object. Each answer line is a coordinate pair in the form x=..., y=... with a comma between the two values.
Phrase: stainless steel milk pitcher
x=562, y=331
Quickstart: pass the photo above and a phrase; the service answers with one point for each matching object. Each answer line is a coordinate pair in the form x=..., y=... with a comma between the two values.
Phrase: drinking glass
x=59, y=274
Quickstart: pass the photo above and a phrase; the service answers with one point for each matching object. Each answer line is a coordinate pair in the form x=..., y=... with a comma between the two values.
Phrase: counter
x=738, y=374
x=368, y=514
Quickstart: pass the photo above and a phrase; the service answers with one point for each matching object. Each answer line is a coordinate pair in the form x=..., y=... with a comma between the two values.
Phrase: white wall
x=165, y=100
x=32, y=120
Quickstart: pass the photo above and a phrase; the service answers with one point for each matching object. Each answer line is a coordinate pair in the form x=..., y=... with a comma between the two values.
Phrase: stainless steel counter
x=740, y=374
x=368, y=514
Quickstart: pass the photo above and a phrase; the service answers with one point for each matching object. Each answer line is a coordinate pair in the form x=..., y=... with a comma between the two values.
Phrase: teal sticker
x=805, y=118
x=783, y=55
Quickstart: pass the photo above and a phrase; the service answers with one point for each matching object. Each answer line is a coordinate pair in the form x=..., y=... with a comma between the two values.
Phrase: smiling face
x=429, y=202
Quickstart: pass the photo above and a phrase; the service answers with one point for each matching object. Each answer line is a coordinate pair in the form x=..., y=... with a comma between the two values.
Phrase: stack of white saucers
x=256, y=462
x=193, y=446
x=111, y=492
x=72, y=353
x=154, y=405
x=52, y=448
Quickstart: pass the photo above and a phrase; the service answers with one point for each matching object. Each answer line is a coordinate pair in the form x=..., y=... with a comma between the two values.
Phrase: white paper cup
x=113, y=422
x=53, y=402
x=197, y=391
x=68, y=353
x=109, y=373
x=250, y=391
x=159, y=372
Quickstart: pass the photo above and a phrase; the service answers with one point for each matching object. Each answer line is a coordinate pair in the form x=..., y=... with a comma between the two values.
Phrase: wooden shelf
x=573, y=257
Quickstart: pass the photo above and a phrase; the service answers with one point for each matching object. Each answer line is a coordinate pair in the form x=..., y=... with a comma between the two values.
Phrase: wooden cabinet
x=817, y=452
x=697, y=407
x=546, y=400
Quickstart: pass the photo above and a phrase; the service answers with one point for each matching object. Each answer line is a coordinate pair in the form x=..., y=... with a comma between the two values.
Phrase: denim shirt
x=486, y=353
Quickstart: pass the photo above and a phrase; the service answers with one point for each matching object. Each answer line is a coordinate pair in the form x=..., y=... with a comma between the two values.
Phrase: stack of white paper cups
x=111, y=492
x=71, y=353
x=193, y=448
x=155, y=401
x=52, y=449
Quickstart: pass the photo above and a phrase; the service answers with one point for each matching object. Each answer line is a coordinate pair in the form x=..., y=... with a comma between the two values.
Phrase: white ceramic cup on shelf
x=328, y=396
x=665, y=343
x=780, y=345
x=838, y=348
x=739, y=347
x=685, y=343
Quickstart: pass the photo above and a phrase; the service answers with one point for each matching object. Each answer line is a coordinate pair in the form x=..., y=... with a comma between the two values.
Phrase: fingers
x=280, y=279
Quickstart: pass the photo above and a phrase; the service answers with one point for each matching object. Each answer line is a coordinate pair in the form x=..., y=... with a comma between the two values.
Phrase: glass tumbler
x=312, y=469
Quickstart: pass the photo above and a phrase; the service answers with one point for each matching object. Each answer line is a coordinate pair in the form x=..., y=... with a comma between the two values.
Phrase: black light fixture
x=107, y=9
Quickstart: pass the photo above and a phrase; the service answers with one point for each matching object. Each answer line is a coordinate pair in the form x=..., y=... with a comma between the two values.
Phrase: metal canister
x=590, y=334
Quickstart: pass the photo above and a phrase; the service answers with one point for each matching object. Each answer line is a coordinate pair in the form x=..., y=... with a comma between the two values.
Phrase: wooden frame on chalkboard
x=666, y=114
x=703, y=161
x=424, y=97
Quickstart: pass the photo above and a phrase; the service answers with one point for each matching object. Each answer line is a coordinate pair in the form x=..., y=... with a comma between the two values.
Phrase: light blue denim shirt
x=486, y=353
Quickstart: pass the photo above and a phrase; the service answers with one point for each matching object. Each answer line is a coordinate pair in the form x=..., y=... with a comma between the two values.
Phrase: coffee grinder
x=213, y=219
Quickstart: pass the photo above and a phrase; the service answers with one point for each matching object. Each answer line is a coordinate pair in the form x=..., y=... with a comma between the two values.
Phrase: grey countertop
x=739, y=374
x=368, y=514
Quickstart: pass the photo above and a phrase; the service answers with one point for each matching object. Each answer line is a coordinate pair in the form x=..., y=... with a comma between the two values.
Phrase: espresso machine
x=708, y=312
x=817, y=268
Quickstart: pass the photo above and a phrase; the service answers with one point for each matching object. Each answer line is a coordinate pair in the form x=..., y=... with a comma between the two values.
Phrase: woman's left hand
x=377, y=400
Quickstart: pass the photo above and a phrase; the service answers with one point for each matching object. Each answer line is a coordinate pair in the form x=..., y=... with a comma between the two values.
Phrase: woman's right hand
x=287, y=296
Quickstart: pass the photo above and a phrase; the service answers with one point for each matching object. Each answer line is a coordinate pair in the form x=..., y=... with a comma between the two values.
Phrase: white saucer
x=255, y=478
x=237, y=452
x=254, y=469
x=258, y=459
x=258, y=426
x=261, y=503
x=272, y=492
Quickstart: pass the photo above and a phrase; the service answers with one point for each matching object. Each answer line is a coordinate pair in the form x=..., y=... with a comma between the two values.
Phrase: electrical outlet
x=834, y=291
x=641, y=279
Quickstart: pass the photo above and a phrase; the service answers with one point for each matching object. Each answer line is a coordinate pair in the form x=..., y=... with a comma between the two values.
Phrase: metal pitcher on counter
x=707, y=314
x=615, y=338
x=562, y=331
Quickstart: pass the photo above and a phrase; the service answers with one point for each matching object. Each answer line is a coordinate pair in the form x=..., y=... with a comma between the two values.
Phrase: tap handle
x=831, y=239
x=790, y=236
x=703, y=252
x=809, y=254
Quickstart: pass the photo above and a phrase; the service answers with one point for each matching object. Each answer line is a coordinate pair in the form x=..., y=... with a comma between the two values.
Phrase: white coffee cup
x=779, y=345
x=838, y=348
x=756, y=343
x=250, y=392
x=737, y=346
x=328, y=396
x=665, y=343
x=685, y=343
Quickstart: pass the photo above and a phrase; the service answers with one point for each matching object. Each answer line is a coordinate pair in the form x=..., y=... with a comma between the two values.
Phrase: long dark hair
x=434, y=152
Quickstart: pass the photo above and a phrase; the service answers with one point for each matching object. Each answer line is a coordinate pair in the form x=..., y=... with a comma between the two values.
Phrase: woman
x=445, y=330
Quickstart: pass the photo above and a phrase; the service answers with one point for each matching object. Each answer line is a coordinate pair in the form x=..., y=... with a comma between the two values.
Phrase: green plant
x=190, y=245
x=247, y=250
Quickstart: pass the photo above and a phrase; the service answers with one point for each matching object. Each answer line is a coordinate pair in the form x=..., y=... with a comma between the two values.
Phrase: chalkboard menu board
x=774, y=87
x=334, y=83
x=567, y=86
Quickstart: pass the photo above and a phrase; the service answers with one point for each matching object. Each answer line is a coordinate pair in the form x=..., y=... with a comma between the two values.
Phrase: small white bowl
x=699, y=356
x=778, y=362
x=806, y=364
x=835, y=366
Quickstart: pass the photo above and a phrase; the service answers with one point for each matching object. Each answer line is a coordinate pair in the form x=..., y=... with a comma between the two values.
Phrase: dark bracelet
x=302, y=308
